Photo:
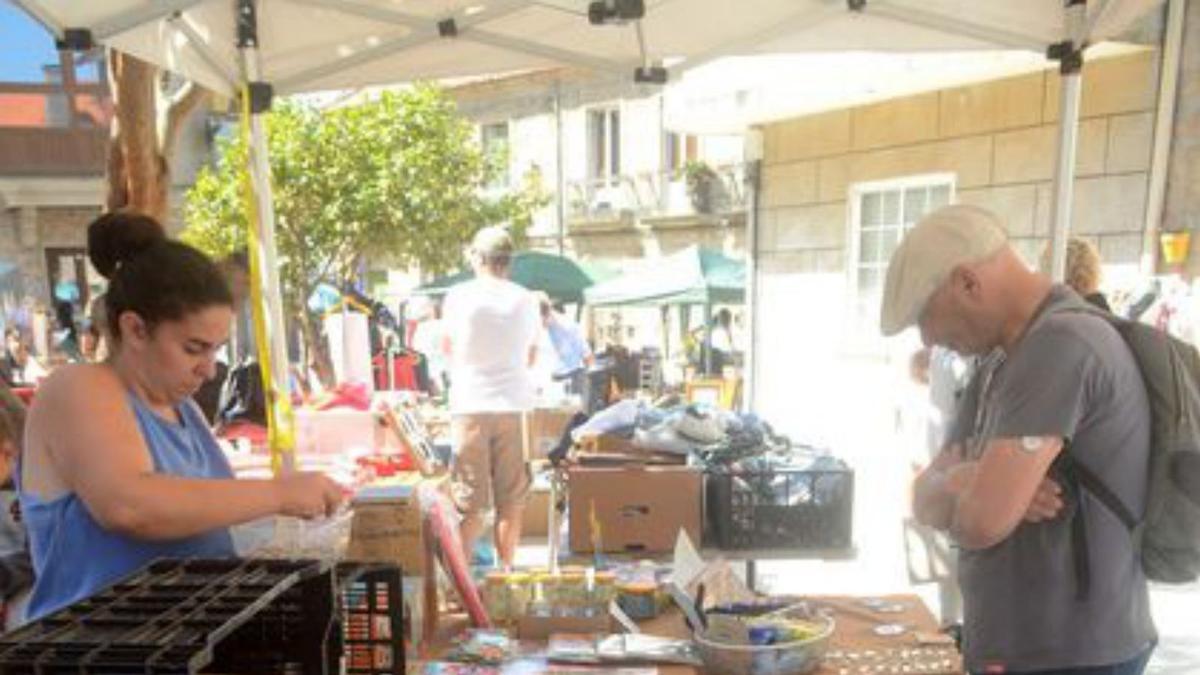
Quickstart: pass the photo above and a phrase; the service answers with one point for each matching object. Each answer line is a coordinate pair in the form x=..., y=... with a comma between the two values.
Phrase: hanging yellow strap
x=281, y=437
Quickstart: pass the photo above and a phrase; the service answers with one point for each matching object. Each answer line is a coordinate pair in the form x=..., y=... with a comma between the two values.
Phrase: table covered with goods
x=650, y=511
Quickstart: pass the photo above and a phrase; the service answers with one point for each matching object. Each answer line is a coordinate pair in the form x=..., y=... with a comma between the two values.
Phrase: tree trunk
x=143, y=135
x=317, y=349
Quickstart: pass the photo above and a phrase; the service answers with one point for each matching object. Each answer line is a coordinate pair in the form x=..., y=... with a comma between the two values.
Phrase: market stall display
x=694, y=276
x=761, y=491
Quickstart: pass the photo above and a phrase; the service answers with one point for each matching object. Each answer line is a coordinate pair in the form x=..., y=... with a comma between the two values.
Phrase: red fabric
x=404, y=372
x=25, y=394
x=256, y=434
x=354, y=396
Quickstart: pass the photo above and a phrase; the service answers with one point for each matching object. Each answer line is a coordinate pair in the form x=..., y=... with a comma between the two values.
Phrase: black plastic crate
x=781, y=508
x=232, y=616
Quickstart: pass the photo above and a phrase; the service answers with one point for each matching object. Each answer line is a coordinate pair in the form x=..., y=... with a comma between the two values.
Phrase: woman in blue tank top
x=119, y=467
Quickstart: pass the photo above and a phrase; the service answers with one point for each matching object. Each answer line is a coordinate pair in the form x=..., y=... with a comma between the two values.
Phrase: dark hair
x=150, y=275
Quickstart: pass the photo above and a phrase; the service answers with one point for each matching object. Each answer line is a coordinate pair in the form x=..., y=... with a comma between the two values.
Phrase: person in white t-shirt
x=491, y=329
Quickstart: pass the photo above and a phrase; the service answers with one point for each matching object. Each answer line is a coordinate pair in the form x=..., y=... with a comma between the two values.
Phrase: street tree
x=395, y=181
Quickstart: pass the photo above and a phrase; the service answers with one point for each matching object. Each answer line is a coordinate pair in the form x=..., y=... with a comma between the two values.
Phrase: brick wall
x=998, y=138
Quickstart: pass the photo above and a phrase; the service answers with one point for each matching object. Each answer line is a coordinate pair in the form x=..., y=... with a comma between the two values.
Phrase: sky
x=24, y=46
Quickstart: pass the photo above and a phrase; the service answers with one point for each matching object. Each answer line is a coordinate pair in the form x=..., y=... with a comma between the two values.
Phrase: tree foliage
x=396, y=181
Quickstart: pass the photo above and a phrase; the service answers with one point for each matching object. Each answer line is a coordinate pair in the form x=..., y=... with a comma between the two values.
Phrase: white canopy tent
x=294, y=46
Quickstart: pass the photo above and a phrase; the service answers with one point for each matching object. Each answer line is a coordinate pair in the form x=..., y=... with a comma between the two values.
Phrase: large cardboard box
x=606, y=444
x=543, y=427
x=638, y=508
x=535, y=520
x=387, y=524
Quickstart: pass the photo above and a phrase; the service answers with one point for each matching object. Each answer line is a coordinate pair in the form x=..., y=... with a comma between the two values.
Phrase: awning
x=311, y=45
x=693, y=276
x=558, y=277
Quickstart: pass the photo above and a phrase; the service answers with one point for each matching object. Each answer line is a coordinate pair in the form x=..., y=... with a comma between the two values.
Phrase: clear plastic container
x=800, y=656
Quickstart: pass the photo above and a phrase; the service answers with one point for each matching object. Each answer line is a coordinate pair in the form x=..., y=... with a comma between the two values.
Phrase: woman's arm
x=102, y=457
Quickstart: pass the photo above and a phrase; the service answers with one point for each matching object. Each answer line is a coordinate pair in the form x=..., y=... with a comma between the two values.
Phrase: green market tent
x=560, y=278
x=692, y=276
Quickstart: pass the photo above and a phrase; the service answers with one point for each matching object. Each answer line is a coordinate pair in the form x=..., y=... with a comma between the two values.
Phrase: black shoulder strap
x=1088, y=479
x=1084, y=478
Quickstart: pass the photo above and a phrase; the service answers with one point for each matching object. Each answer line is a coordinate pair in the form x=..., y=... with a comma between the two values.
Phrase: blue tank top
x=74, y=557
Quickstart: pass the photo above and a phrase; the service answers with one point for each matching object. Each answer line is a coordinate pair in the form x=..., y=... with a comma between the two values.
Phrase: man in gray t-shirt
x=1055, y=380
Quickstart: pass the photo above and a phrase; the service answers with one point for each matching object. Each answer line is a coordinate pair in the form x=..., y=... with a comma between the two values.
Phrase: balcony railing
x=657, y=194
x=47, y=131
x=52, y=152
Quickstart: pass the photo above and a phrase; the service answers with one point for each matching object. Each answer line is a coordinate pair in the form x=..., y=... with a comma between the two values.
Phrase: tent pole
x=684, y=326
x=754, y=154
x=707, y=348
x=560, y=174
x=664, y=315
x=1164, y=122
x=1070, y=56
x=269, y=326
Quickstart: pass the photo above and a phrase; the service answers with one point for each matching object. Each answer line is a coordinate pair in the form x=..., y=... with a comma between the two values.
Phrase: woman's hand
x=307, y=495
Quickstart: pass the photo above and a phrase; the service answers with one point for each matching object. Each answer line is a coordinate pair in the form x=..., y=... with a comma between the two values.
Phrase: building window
x=678, y=150
x=604, y=145
x=493, y=138
x=880, y=214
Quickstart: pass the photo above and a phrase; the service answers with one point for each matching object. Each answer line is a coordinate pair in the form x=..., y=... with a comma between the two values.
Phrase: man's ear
x=967, y=280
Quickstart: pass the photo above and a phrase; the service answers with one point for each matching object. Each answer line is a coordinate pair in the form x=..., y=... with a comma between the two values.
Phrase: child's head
x=12, y=432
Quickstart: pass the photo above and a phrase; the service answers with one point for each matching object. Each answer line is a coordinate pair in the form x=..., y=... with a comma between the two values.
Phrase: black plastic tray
x=221, y=616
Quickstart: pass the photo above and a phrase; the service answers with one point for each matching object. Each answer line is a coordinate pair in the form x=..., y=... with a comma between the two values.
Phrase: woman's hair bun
x=115, y=238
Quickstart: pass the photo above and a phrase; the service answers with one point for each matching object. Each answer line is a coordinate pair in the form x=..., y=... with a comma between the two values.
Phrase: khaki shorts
x=489, y=468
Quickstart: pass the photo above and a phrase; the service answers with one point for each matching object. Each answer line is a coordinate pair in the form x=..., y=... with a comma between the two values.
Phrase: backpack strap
x=1067, y=470
x=1083, y=478
x=1088, y=479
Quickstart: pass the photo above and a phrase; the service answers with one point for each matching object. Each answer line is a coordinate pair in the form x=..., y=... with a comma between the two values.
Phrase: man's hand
x=1047, y=502
x=933, y=496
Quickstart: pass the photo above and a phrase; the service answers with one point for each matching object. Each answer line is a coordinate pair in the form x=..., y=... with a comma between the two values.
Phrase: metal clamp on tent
x=261, y=95
x=648, y=73
x=1069, y=57
x=603, y=12
x=247, y=25
x=76, y=40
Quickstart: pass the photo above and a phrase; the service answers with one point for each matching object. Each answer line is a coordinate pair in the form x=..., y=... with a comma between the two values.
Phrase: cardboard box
x=388, y=527
x=543, y=429
x=638, y=508
x=536, y=518
x=606, y=444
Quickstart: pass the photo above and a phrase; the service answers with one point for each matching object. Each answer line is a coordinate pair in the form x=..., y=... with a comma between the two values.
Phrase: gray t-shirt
x=1070, y=376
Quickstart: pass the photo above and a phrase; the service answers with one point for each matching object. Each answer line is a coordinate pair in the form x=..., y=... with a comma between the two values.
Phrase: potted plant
x=703, y=185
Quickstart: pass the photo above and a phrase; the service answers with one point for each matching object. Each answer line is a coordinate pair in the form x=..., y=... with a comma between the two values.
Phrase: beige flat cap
x=942, y=240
